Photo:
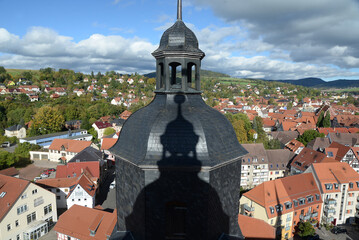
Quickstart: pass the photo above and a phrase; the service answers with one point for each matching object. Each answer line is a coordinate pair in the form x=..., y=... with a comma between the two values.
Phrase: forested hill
x=320, y=83
x=204, y=73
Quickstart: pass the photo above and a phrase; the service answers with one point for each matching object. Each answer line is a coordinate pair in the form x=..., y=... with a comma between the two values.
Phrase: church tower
x=178, y=161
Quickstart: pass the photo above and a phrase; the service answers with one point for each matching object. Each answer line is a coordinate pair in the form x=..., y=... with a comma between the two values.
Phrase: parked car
x=44, y=175
x=5, y=144
x=113, y=184
x=51, y=170
x=337, y=230
x=37, y=178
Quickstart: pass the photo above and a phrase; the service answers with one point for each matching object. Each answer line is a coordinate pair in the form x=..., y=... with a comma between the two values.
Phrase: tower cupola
x=178, y=59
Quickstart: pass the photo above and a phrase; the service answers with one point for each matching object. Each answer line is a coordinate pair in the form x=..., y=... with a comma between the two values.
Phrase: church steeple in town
x=178, y=59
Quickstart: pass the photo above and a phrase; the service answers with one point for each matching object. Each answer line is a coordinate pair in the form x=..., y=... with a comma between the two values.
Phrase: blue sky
x=259, y=38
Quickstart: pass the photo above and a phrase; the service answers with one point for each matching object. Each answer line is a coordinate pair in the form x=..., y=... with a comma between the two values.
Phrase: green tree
x=108, y=131
x=308, y=136
x=47, y=120
x=320, y=120
x=305, y=229
x=326, y=120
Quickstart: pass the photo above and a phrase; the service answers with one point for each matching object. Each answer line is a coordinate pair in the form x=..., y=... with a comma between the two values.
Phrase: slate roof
x=278, y=159
x=284, y=136
x=89, y=154
x=255, y=151
x=14, y=128
x=13, y=188
x=78, y=221
x=318, y=143
x=179, y=126
x=179, y=38
x=349, y=139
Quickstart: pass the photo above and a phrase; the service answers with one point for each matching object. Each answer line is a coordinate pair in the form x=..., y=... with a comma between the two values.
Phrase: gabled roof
x=293, y=145
x=125, y=114
x=78, y=221
x=107, y=143
x=10, y=171
x=318, y=143
x=336, y=172
x=278, y=159
x=69, y=145
x=349, y=139
x=10, y=189
x=102, y=125
x=75, y=169
x=249, y=228
x=341, y=152
x=14, y=128
x=255, y=151
x=89, y=154
x=307, y=157
x=279, y=191
x=56, y=182
x=284, y=136
x=86, y=183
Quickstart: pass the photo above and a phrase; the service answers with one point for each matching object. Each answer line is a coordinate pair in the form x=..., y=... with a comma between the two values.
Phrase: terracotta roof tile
x=77, y=221
x=11, y=188
x=56, y=182
x=107, y=143
x=69, y=145
x=307, y=157
x=249, y=227
x=10, y=171
x=75, y=169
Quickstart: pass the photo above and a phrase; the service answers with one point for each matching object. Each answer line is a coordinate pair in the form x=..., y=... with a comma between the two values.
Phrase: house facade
x=26, y=210
x=83, y=193
x=283, y=203
x=65, y=149
x=339, y=188
x=15, y=131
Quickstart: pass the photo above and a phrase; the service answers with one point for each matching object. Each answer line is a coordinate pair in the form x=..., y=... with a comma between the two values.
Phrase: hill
x=204, y=73
x=320, y=83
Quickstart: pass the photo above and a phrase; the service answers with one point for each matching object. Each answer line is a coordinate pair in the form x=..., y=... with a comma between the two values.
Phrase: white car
x=113, y=184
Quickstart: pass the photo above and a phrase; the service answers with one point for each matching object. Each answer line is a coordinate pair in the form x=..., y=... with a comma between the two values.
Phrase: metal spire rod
x=179, y=10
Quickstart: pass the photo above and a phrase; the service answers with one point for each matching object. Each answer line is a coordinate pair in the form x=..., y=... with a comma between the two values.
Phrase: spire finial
x=179, y=10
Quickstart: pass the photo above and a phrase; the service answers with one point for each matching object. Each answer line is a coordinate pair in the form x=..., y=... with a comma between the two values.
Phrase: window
x=16, y=223
x=279, y=207
x=47, y=209
x=34, y=191
x=351, y=185
x=66, y=190
x=317, y=197
x=73, y=200
x=336, y=185
x=24, y=196
x=357, y=184
x=295, y=213
x=58, y=197
x=18, y=237
x=301, y=201
x=8, y=227
x=21, y=209
x=31, y=217
x=271, y=209
x=288, y=205
x=309, y=199
x=328, y=186
x=295, y=203
x=57, y=190
x=249, y=160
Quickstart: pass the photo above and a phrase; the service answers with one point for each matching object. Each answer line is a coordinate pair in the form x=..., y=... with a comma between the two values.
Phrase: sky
x=268, y=39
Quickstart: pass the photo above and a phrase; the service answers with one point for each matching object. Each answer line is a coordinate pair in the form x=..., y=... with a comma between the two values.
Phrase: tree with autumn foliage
x=47, y=120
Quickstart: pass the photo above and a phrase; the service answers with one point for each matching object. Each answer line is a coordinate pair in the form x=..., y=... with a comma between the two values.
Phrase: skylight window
x=271, y=209
x=2, y=194
x=330, y=154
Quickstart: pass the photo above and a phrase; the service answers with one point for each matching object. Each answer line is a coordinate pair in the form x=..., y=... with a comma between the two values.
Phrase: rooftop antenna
x=179, y=10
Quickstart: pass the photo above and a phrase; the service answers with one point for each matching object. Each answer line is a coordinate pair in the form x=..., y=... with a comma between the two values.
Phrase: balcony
x=329, y=210
x=248, y=208
x=304, y=217
x=330, y=201
x=315, y=214
x=287, y=228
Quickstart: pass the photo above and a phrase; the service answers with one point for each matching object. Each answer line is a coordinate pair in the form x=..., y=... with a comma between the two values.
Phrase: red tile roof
x=341, y=152
x=279, y=191
x=293, y=145
x=75, y=169
x=307, y=157
x=77, y=222
x=12, y=188
x=250, y=226
x=69, y=145
x=86, y=183
x=107, y=143
x=56, y=182
x=10, y=171
x=102, y=125
x=126, y=114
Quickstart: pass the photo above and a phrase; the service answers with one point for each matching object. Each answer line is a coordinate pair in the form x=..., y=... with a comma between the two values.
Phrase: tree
x=326, y=120
x=47, y=120
x=305, y=229
x=320, y=120
x=108, y=131
x=308, y=136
